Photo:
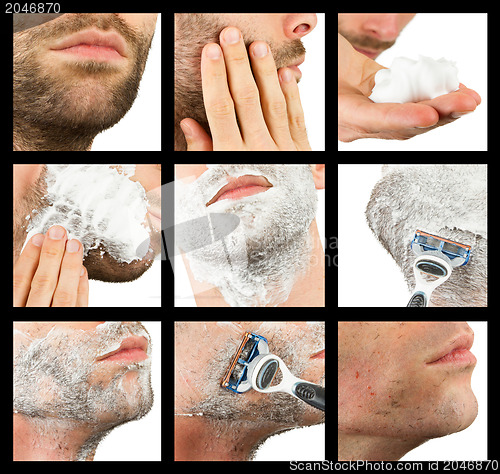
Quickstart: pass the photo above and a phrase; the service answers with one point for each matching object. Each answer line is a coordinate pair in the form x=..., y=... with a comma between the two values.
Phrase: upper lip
x=367, y=50
x=132, y=342
x=247, y=180
x=459, y=342
x=94, y=37
x=298, y=62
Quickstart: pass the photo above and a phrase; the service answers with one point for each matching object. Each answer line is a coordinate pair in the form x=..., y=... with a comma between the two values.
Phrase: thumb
x=196, y=137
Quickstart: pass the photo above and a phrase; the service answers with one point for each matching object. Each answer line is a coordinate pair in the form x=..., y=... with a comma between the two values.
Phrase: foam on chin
x=413, y=81
x=96, y=204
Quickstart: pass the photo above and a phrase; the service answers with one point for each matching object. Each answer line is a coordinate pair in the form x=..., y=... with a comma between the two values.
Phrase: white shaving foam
x=413, y=81
x=462, y=202
x=96, y=204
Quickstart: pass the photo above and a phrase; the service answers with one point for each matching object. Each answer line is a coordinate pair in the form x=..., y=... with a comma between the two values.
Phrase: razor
x=436, y=258
x=253, y=366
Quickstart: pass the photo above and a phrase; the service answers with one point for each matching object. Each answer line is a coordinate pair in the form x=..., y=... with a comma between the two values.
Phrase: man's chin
x=101, y=266
x=313, y=416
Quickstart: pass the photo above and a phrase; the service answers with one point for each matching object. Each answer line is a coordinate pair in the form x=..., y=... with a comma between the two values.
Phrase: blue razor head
x=236, y=377
x=457, y=253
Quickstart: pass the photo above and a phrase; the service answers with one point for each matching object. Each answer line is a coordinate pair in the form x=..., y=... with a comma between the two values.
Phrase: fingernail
x=232, y=36
x=287, y=75
x=260, y=50
x=72, y=246
x=38, y=239
x=82, y=271
x=188, y=133
x=56, y=232
x=213, y=51
x=460, y=114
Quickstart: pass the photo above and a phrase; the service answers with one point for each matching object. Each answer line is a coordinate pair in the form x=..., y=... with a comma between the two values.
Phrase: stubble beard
x=65, y=107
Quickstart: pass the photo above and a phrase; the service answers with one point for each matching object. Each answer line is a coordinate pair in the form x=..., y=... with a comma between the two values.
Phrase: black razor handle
x=418, y=300
x=310, y=393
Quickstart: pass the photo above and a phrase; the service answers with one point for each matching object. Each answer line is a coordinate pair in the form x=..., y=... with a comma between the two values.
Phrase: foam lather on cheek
x=98, y=205
x=413, y=81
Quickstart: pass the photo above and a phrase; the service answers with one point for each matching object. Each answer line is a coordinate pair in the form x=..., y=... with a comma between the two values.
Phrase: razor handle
x=418, y=300
x=310, y=393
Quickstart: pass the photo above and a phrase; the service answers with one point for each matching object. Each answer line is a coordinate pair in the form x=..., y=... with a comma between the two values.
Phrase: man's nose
x=298, y=25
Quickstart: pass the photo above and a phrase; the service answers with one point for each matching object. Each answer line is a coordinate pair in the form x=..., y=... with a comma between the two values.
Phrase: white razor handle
x=263, y=370
x=430, y=272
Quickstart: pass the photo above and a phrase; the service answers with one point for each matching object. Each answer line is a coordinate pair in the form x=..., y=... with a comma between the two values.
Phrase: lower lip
x=242, y=192
x=127, y=355
x=296, y=70
x=458, y=357
x=155, y=220
x=87, y=51
x=319, y=355
x=367, y=53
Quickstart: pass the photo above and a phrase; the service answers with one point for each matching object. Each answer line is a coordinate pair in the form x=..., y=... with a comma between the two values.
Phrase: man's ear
x=318, y=172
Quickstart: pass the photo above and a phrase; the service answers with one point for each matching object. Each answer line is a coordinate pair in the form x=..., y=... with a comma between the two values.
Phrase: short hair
x=445, y=200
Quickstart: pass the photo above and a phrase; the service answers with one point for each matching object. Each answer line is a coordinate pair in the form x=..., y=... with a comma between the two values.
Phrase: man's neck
x=31, y=138
x=374, y=448
x=308, y=290
x=52, y=439
x=201, y=439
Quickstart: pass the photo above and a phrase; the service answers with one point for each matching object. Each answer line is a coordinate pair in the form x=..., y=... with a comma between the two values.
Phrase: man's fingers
x=458, y=101
x=45, y=279
x=373, y=118
x=219, y=105
x=69, y=275
x=82, y=295
x=196, y=137
x=243, y=88
x=271, y=97
x=25, y=268
x=296, y=122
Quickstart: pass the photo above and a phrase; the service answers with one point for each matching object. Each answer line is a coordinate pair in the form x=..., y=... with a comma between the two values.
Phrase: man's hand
x=268, y=107
x=49, y=272
x=359, y=117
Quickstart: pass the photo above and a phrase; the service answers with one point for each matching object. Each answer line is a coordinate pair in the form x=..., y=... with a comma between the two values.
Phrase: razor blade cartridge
x=457, y=253
x=235, y=378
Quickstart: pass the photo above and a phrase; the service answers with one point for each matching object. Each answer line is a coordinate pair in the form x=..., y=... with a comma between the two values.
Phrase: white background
x=368, y=275
x=312, y=85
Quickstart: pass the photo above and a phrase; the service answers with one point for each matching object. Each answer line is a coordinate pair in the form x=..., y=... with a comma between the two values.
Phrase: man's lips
x=295, y=67
x=155, y=217
x=132, y=348
x=370, y=54
x=318, y=355
x=299, y=61
x=93, y=42
x=241, y=187
x=455, y=350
